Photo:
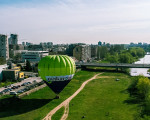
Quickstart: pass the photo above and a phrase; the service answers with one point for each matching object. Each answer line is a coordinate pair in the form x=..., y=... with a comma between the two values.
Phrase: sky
x=76, y=21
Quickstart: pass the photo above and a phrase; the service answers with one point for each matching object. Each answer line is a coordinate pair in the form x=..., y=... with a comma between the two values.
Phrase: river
x=141, y=71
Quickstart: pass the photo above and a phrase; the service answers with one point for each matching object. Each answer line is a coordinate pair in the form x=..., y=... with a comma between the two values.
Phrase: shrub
x=147, y=106
x=143, y=87
x=132, y=87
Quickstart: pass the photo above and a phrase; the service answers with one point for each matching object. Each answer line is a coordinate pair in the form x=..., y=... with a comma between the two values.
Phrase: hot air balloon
x=56, y=71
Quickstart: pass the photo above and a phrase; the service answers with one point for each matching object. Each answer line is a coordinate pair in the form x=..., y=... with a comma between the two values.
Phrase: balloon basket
x=57, y=97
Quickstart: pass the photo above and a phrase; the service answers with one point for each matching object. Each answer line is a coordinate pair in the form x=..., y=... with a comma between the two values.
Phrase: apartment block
x=4, y=47
x=82, y=53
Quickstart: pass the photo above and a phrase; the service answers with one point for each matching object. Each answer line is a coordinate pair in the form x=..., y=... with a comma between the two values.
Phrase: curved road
x=67, y=101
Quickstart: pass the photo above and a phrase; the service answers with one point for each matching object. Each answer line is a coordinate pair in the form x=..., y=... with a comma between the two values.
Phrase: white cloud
x=77, y=20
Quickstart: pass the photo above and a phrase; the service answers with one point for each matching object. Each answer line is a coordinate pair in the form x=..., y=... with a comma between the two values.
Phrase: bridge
x=112, y=65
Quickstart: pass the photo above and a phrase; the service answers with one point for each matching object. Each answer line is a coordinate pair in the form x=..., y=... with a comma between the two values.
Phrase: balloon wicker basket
x=57, y=97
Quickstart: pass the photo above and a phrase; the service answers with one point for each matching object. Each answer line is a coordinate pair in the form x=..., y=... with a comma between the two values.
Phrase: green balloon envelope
x=56, y=71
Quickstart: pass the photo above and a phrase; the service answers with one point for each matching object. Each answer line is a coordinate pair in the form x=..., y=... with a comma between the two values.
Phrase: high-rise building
x=13, y=39
x=104, y=43
x=23, y=43
x=94, y=49
x=82, y=53
x=28, y=43
x=99, y=43
x=49, y=44
x=4, y=47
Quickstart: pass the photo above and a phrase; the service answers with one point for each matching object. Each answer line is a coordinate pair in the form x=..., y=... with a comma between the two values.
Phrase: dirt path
x=67, y=101
x=66, y=112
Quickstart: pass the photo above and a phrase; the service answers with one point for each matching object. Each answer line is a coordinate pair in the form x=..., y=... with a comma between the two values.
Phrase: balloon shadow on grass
x=15, y=106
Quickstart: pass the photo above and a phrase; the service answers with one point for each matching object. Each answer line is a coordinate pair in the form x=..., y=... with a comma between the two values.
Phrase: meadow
x=104, y=99
x=38, y=104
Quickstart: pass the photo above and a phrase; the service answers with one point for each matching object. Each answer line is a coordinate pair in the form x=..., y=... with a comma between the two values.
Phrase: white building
x=4, y=47
x=15, y=52
x=33, y=56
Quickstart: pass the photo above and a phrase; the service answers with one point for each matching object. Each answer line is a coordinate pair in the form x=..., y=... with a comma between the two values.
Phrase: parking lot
x=22, y=86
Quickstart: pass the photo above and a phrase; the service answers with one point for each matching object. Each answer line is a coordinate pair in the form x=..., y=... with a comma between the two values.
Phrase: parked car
x=13, y=93
x=18, y=86
x=9, y=89
x=5, y=90
x=8, y=86
x=34, y=80
x=24, y=84
x=20, y=91
x=28, y=82
x=14, y=87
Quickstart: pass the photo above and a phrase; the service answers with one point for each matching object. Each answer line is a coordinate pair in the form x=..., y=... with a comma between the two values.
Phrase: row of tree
x=140, y=92
x=117, y=54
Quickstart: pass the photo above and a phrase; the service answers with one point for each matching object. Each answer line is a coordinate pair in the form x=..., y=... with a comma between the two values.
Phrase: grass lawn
x=104, y=99
x=58, y=114
x=38, y=104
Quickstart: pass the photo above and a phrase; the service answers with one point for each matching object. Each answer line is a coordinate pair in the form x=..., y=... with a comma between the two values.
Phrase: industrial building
x=33, y=56
x=12, y=75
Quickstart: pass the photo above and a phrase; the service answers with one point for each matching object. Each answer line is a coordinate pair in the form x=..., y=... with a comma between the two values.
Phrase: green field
x=58, y=114
x=36, y=105
x=101, y=99
x=104, y=99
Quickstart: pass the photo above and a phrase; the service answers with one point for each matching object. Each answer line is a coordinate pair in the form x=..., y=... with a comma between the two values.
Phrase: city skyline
x=83, y=21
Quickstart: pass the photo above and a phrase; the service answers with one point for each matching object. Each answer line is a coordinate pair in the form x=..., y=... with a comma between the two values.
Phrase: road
x=67, y=101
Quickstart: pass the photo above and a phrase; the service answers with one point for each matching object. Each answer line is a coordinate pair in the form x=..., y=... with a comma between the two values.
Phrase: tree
x=102, y=52
x=133, y=52
x=2, y=61
x=125, y=58
x=143, y=86
x=137, y=52
x=112, y=58
x=17, y=57
x=140, y=52
x=28, y=65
